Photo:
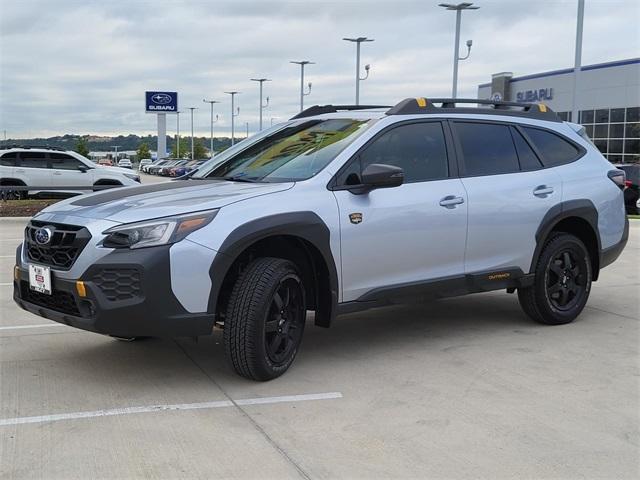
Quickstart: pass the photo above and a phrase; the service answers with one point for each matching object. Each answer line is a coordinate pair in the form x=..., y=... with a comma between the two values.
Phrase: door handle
x=57, y=173
x=450, y=201
x=542, y=191
x=19, y=170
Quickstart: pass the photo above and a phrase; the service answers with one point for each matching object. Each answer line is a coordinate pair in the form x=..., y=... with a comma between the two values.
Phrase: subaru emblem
x=161, y=98
x=43, y=235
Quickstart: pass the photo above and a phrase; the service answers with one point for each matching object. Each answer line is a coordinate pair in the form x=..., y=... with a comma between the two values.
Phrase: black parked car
x=631, y=187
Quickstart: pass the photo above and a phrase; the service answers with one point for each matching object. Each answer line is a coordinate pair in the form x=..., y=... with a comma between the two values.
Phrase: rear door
x=509, y=193
x=393, y=238
x=33, y=169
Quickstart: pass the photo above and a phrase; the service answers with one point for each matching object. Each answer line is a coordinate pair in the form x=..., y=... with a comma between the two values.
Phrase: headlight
x=161, y=231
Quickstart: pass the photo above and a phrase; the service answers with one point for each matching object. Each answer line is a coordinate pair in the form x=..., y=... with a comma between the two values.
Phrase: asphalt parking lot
x=460, y=388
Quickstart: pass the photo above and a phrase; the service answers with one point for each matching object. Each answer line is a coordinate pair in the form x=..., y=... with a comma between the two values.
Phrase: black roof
x=421, y=105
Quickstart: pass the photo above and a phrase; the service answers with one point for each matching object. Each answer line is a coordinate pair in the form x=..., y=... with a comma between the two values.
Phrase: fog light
x=80, y=289
x=16, y=273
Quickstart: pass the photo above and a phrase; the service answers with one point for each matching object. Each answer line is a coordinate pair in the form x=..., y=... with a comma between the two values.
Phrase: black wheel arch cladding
x=305, y=225
x=584, y=211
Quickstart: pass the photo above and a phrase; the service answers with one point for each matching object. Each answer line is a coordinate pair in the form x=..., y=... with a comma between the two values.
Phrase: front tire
x=562, y=282
x=265, y=319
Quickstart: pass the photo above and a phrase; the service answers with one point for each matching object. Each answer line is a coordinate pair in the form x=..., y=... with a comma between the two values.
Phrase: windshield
x=296, y=152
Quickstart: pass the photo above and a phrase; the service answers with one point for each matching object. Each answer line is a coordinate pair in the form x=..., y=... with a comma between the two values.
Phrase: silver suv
x=49, y=169
x=338, y=210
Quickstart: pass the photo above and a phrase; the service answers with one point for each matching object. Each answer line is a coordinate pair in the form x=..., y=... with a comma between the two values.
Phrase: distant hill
x=98, y=143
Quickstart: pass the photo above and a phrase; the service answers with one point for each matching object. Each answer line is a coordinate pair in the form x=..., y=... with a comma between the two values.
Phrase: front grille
x=118, y=284
x=64, y=247
x=59, y=301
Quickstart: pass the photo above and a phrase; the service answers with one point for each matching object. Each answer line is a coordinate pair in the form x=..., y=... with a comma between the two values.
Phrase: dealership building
x=608, y=100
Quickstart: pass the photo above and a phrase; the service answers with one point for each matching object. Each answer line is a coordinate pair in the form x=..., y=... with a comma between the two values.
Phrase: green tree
x=185, y=149
x=143, y=151
x=82, y=147
x=198, y=149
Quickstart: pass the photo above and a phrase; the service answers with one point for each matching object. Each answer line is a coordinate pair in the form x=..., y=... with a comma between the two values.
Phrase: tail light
x=628, y=183
x=618, y=177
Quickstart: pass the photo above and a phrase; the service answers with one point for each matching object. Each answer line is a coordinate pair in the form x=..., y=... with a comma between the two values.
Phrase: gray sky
x=71, y=66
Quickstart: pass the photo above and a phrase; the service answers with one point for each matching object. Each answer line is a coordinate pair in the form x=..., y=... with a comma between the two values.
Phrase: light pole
x=233, y=115
x=261, y=81
x=577, y=63
x=358, y=41
x=213, y=153
x=116, y=153
x=192, y=149
x=211, y=102
x=302, y=63
x=247, y=123
x=177, y=134
x=458, y=9
x=272, y=119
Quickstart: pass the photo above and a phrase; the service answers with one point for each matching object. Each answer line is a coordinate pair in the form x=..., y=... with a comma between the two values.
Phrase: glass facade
x=615, y=131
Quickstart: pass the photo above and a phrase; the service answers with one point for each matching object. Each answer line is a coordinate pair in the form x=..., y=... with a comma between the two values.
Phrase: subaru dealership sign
x=161, y=102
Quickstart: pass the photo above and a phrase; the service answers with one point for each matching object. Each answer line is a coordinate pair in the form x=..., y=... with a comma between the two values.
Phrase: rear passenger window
x=554, y=149
x=9, y=159
x=528, y=159
x=33, y=160
x=487, y=148
x=418, y=148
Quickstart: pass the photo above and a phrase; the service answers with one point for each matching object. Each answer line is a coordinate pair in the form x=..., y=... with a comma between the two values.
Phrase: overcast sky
x=72, y=66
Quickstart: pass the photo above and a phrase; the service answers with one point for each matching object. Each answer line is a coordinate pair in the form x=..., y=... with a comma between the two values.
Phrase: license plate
x=40, y=278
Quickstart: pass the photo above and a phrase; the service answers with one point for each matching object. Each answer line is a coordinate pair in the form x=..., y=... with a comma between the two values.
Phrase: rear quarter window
x=554, y=149
x=8, y=159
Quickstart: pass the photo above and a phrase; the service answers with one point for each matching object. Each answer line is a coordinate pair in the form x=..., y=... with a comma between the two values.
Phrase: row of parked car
x=170, y=167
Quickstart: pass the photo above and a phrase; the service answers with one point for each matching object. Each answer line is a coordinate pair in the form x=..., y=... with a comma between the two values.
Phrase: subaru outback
x=340, y=209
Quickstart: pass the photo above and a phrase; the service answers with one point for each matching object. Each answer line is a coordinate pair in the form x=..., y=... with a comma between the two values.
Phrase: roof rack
x=27, y=147
x=420, y=105
x=320, y=109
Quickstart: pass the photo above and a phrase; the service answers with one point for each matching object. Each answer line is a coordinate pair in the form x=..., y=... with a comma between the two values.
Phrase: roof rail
x=415, y=106
x=320, y=109
x=27, y=147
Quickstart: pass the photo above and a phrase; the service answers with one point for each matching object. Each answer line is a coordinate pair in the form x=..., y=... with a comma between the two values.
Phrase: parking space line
x=41, y=325
x=5, y=284
x=160, y=408
x=7, y=256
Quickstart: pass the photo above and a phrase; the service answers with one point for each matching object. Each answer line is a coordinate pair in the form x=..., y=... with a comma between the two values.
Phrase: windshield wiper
x=239, y=178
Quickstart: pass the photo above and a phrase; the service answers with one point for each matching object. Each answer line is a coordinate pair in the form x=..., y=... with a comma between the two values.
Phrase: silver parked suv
x=339, y=209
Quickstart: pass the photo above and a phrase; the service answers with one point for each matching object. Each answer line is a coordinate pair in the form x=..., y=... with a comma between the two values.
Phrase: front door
x=402, y=236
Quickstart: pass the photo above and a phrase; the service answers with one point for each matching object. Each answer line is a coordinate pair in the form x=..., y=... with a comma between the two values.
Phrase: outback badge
x=355, y=218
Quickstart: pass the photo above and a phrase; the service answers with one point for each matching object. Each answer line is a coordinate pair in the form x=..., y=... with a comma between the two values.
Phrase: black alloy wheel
x=562, y=282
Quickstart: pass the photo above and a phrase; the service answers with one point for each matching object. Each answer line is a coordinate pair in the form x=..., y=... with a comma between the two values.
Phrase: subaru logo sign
x=43, y=235
x=161, y=98
x=161, y=102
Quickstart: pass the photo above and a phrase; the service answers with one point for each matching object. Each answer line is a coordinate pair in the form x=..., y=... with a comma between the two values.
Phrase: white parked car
x=124, y=163
x=56, y=170
x=144, y=162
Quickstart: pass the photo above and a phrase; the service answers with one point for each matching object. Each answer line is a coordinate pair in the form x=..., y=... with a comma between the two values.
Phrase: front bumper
x=128, y=294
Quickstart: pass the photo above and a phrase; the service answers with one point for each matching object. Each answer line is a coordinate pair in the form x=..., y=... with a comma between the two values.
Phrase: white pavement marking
x=160, y=408
x=7, y=256
x=18, y=327
x=5, y=284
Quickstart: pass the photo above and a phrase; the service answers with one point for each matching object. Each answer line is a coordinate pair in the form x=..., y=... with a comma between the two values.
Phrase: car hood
x=133, y=204
x=114, y=169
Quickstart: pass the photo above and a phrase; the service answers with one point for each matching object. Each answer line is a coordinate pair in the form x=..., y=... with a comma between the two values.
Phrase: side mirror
x=378, y=175
x=83, y=168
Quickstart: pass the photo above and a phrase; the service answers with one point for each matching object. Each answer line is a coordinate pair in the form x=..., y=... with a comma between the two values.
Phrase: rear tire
x=265, y=319
x=562, y=281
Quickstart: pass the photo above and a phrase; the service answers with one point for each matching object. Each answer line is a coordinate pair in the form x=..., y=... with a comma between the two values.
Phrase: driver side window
x=418, y=148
